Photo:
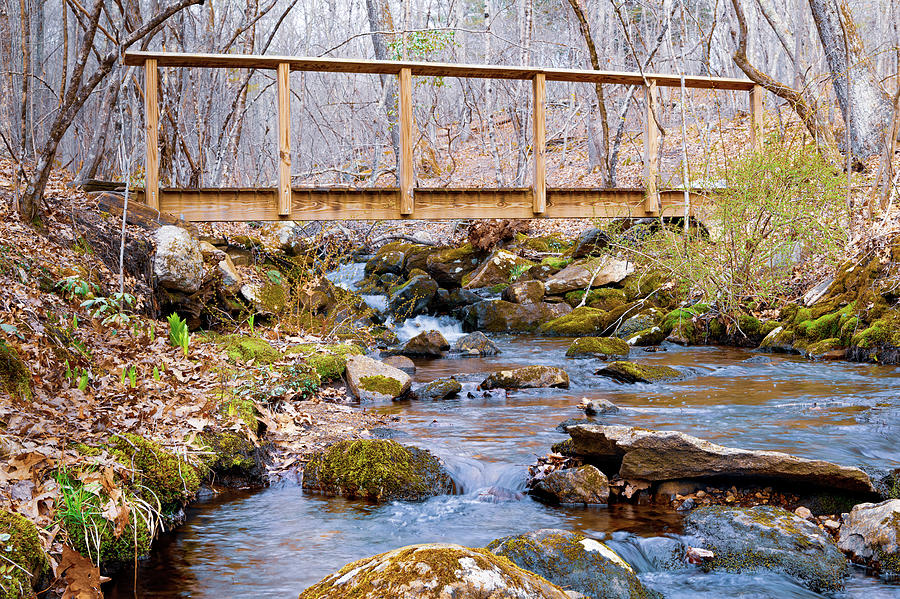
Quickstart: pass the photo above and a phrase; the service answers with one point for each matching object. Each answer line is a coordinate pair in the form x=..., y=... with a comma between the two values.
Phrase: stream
x=277, y=541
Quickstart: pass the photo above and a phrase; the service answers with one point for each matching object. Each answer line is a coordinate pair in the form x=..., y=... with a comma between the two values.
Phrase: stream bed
x=277, y=541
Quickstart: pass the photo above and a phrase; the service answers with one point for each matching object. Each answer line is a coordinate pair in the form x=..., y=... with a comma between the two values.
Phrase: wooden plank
x=151, y=132
x=756, y=116
x=241, y=204
x=539, y=145
x=651, y=148
x=407, y=174
x=284, y=139
x=427, y=69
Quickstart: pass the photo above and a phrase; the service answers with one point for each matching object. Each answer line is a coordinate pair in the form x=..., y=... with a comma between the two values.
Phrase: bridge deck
x=330, y=203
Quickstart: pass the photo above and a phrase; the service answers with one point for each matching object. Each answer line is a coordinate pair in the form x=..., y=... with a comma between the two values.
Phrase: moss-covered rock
x=598, y=347
x=498, y=316
x=171, y=479
x=579, y=322
x=439, y=389
x=370, y=379
x=476, y=344
x=605, y=298
x=448, y=266
x=15, y=377
x=413, y=297
x=500, y=267
x=573, y=561
x=648, y=337
x=524, y=292
x=631, y=372
x=584, y=485
x=426, y=343
x=329, y=360
x=241, y=349
x=768, y=538
x=528, y=377
x=24, y=561
x=434, y=571
x=232, y=459
x=386, y=261
x=377, y=470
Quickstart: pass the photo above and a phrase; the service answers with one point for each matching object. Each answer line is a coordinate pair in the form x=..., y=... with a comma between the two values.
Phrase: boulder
x=370, y=379
x=413, y=297
x=524, y=292
x=439, y=389
x=211, y=252
x=595, y=272
x=631, y=372
x=498, y=268
x=401, y=362
x=178, y=261
x=231, y=279
x=428, y=343
x=450, y=265
x=389, y=262
x=476, y=344
x=529, y=377
x=589, y=243
x=768, y=538
x=377, y=470
x=595, y=407
x=871, y=535
x=604, y=348
x=433, y=571
x=579, y=322
x=635, y=324
x=575, y=562
x=584, y=485
x=498, y=316
x=671, y=455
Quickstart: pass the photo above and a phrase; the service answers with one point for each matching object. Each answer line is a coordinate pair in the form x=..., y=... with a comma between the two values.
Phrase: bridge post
x=651, y=149
x=756, y=112
x=407, y=201
x=151, y=134
x=284, y=139
x=539, y=145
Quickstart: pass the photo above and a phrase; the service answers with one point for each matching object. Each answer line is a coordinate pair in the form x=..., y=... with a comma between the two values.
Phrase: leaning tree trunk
x=865, y=106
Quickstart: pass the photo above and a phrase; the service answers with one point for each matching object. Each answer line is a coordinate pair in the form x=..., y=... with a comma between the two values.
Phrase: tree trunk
x=865, y=106
x=380, y=19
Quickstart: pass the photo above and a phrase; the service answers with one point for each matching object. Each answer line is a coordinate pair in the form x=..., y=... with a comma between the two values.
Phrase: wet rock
x=450, y=265
x=499, y=495
x=631, y=372
x=583, y=321
x=596, y=272
x=497, y=268
x=595, y=407
x=233, y=459
x=768, y=538
x=604, y=348
x=370, y=379
x=524, y=292
x=476, y=344
x=433, y=571
x=652, y=336
x=390, y=262
x=671, y=455
x=636, y=324
x=401, y=363
x=178, y=261
x=529, y=377
x=871, y=535
x=779, y=341
x=377, y=470
x=413, y=297
x=585, y=485
x=498, y=316
x=573, y=562
x=439, y=389
x=589, y=243
x=428, y=343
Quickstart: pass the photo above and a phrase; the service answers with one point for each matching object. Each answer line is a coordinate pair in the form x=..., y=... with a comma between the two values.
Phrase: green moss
x=767, y=327
x=274, y=297
x=630, y=372
x=579, y=322
x=227, y=452
x=640, y=285
x=170, y=478
x=243, y=349
x=824, y=346
x=330, y=361
x=604, y=298
x=544, y=244
x=379, y=470
x=24, y=561
x=557, y=262
x=498, y=288
x=648, y=337
x=381, y=384
x=883, y=332
x=453, y=254
x=802, y=314
x=241, y=408
x=15, y=377
x=566, y=447
x=598, y=346
x=749, y=325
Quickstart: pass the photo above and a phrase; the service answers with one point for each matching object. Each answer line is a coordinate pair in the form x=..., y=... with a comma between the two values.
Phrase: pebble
x=803, y=512
x=832, y=524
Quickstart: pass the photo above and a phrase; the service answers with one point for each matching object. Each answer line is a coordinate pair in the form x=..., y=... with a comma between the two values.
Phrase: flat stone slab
x=672, y=455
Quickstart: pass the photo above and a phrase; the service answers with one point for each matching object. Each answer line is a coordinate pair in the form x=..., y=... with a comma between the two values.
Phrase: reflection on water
x=276, y=542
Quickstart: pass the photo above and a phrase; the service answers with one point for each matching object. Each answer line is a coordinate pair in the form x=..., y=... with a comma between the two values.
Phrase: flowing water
x=277, y=541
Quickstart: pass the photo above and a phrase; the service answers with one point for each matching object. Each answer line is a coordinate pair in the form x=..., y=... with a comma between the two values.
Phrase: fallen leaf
x=82, y=577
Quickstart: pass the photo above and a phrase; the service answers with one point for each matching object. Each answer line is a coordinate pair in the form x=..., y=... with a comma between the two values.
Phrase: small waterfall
x=348, y=276
x=475, y=477
x=447, y=326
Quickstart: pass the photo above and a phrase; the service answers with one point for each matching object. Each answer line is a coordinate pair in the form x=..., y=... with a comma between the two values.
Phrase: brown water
x=278, y=541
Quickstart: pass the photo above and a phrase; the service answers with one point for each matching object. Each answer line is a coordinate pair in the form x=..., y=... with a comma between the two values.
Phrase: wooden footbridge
x=407, y=201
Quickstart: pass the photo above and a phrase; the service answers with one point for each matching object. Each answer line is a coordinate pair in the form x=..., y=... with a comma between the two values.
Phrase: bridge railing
x=406, y=201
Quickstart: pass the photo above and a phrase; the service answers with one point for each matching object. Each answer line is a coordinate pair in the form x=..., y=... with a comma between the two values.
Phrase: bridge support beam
x=407, y=174
x=539, y=145
x=151, y=133
x=284, y=139
x=651, y=148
